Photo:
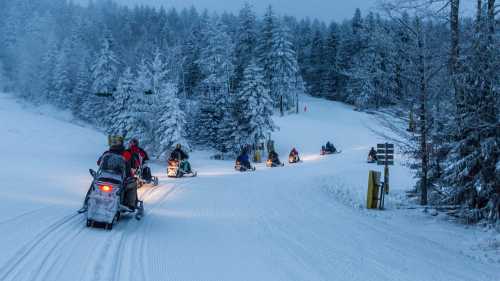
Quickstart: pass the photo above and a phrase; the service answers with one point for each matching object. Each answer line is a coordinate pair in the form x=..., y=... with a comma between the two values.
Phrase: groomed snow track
x=299, y=222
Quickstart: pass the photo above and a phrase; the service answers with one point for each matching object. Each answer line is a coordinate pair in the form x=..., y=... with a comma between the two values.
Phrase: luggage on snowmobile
x=174, y=170
x=107, y=193
x=242, y=168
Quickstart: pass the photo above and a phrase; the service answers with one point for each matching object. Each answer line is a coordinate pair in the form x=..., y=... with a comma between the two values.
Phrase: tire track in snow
x=131, y=240
x=14, y=218
x=142, y=246
x=25, y=252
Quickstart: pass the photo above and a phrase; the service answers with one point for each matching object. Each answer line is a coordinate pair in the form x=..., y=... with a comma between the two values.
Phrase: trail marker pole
x=385, y=156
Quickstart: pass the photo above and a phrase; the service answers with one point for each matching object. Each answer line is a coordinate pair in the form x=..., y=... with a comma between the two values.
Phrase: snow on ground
x=300, y=222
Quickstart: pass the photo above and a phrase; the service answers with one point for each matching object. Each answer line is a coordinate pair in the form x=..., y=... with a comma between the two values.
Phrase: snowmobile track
x=25, y=252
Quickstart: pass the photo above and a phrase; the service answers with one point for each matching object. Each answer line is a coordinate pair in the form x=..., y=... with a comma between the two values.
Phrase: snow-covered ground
x=300, y=222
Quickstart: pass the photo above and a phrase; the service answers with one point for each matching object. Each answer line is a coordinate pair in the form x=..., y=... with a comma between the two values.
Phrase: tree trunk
x=422, y=115
x=454, y=61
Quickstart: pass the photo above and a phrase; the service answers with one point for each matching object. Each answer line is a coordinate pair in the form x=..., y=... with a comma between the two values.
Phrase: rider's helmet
x=178, y=146
x=133, y=142
x=115, y=140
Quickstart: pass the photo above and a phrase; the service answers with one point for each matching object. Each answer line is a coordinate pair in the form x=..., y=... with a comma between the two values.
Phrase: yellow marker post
x=373, y=190
x=256, y=157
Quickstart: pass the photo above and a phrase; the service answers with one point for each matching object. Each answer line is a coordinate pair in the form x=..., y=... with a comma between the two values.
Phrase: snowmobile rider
x=179, y=155
x=273, y=156
x=136, y=150
x=244, y=159
x=294, y=154
x=139, y=158
x=330, y=147
x=116, y=147
x=372, y=155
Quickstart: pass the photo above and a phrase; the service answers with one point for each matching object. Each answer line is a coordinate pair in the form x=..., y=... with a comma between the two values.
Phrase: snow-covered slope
x=300, y=222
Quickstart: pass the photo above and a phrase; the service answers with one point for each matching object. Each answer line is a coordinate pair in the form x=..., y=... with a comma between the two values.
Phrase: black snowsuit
x=178, y=154
x=273, y=156
x=372, y=154
x=330, y=147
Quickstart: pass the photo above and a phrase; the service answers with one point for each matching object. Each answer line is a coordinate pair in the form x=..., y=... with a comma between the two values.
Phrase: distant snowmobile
x=243, y=168
x=143, y=174
x=178, y=165
x=174, y=170
x=273, y=160
x=293, y=157
x=243, y=163
x=372, y=156
x=329, y=148
x=106, y=201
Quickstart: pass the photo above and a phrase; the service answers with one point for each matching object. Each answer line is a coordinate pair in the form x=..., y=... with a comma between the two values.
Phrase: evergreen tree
x=255, y=108
x=122, y=110
x=171, y=126
x=265, y=46
x=317, y=61
x=104, y=70
x=62, y=75
x=331, y=77
x=284, y=68
x=191, y=72
x=245, y=42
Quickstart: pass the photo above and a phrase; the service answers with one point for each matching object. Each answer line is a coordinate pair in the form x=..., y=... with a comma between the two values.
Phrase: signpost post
x=385, y=156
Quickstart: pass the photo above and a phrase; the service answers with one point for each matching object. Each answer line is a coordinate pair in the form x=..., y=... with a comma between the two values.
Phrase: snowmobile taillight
x=106, y=188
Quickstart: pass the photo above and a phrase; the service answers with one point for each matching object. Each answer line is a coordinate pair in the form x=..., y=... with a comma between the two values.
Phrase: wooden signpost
x=385, y=156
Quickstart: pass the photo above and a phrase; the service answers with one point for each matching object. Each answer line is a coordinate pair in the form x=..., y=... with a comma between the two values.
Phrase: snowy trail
x=299, y=222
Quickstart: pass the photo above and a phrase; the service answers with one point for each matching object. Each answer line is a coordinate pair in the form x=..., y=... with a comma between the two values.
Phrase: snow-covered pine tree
x=143, y=114
x=228, y=136
x=81, y=86
x=191, y=72
x=104, y=76
x=171, y=126
x=62, y=75
x=474, y=164
x=255, y=107
x=284, y=68
x=331, y=77
x=143, y=82
x=105, y=70
x=122, y=108
x=265, y=44
x=246, y=42
x=317, y=61
x=217, y=69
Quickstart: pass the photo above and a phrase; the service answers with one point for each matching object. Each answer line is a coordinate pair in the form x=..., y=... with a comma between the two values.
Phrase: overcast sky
x=325, y=10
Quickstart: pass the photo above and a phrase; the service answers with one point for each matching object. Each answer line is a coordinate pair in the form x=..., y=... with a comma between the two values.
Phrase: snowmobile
x=143, y=174
x=107, y=194
x=174, y=170
x=242, y=168
x=271, y=164
x=292, y=159
x=371, y=159
x=325, y=151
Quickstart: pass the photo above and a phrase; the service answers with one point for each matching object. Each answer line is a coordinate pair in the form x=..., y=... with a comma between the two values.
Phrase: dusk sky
x=325, y=10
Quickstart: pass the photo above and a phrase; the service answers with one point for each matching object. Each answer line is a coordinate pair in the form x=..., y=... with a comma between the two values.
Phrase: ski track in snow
x=298, y=222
